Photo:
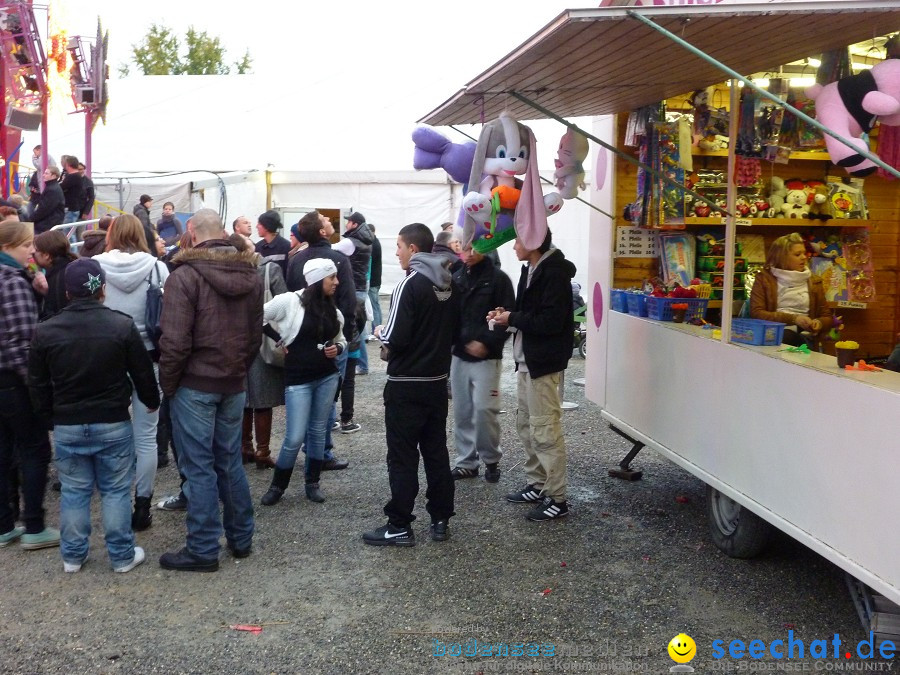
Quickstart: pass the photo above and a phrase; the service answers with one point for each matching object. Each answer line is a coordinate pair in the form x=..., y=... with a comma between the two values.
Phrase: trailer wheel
x=736, y=531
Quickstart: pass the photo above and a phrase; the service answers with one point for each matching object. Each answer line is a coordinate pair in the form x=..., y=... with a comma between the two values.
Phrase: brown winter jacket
x=211, y=320
x=764, y=301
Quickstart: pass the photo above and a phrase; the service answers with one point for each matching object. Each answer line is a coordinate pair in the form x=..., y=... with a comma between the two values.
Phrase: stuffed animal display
x=569, y=174
x=499, y=206
x=777, y=194
x=851, y=106
x=820, y=206
x=795, y=202
x=434, y=150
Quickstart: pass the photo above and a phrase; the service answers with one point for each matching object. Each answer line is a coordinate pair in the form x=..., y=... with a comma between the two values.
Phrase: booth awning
x=603, y=61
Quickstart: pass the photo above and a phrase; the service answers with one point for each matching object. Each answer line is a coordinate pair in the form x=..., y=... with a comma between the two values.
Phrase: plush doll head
x=569, y=174
x=850, y=107
x=506, y=149
x=434, y=150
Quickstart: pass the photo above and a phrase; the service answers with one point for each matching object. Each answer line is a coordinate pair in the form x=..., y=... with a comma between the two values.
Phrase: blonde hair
x=780, y=248
x=13, y=233
x=126, y=234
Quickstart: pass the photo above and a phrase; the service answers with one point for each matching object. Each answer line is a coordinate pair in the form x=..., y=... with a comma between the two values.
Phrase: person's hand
x=476, y=349
x=39, y=283
x=330, y=351
x=815, y=325
x=803, y=322
x=377, y=331
x=493, y=313
x=501, y=318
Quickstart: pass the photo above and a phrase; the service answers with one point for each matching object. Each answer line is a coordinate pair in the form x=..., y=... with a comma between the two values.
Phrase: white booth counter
x=806, y=446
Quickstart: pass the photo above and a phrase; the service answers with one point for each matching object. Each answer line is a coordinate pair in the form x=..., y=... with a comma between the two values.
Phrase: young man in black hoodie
x=542, y=346
x=475, y=370
x=418, y=334
x=78, y=372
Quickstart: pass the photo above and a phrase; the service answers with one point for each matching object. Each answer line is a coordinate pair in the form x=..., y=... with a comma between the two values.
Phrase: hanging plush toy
x=434, y=150
x=499, y=206
x=569, y=174
x=852, y=105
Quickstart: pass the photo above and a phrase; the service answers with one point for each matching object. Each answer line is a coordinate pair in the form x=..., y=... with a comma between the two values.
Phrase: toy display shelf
x=800, y=154
x=781, y=222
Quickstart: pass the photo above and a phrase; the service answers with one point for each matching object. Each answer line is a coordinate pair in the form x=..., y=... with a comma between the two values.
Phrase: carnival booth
x=710, y=152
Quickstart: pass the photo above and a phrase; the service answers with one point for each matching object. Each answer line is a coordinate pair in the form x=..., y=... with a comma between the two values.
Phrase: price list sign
x=635, y=242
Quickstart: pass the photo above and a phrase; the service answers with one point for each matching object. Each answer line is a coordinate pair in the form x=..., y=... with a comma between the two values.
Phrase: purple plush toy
x=436, y=151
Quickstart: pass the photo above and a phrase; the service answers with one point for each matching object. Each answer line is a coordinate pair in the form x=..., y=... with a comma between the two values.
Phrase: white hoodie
x=126, y=283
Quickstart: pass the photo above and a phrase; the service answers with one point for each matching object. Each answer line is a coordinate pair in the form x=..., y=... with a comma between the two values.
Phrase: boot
x=263, y=422
x=162, y=444
x=313, y=471
x=142, y=518
x=280, y=481
x=247, y=437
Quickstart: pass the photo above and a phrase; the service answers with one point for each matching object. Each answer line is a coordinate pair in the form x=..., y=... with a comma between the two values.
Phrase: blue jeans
x=363, y=354
x=207, y=429
x=307, y=406
x=103, y=454
x=341, y=362
x=144, y=424
x=376, y=305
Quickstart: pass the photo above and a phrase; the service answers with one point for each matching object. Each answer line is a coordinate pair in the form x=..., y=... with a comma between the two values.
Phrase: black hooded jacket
x=345, y=296
x=543, y=314
x=478, y=290
x=362, y=239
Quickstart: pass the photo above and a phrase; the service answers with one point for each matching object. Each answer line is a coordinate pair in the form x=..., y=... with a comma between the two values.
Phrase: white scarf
x=793, y=290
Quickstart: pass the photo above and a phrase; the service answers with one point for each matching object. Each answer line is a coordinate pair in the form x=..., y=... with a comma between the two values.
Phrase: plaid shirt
x=18, y=318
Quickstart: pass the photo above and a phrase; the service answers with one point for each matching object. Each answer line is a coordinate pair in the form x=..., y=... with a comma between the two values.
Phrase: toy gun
x=802, y=349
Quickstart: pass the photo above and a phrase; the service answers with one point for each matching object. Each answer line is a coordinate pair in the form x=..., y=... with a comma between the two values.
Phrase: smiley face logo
x=682, y=648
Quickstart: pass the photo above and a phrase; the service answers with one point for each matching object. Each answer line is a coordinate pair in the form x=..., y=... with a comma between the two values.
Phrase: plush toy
x=569, y=174
x=795, y=205
x=434, y=150
x=500, y=207
x=819, y=204
x=851, y=106
x=742, y=206
x=759, y=208
x=777, y=193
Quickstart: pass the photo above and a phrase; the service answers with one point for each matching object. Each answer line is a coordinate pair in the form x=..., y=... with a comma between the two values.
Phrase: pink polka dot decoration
x=598, y=305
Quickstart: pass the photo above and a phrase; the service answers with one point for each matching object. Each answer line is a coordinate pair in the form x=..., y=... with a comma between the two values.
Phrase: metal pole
x=762, y=92
x=563, y=403
x=624, y=155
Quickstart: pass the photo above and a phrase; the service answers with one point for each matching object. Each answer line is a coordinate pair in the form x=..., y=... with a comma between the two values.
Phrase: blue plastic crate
x=637, y=304
x=756, y=331
x=618, y=300
x=661, y=308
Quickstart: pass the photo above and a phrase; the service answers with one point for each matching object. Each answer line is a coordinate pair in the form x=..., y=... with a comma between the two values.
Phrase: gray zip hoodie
x=434, y=266
x=126, y=283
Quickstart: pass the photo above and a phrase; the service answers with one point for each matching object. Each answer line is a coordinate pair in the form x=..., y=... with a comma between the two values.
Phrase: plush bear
x=777, y=194
x=851, y=106
x=820, y=205
x=795, y=205
x=569, y=174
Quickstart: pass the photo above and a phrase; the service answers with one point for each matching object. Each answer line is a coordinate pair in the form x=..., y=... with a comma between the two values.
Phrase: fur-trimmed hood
x=229, y=272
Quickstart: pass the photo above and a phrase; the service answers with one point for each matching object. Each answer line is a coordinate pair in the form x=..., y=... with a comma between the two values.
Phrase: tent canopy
x=603, y=61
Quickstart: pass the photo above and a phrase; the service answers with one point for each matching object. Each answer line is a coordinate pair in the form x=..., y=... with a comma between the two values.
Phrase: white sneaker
x=71, y=568
x=138, y=559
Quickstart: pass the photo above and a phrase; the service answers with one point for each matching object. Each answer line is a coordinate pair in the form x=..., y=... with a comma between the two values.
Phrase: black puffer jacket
x=362, y=239
x=543, y=314
x=478, y=290
x=78, y=362
x=51, y=207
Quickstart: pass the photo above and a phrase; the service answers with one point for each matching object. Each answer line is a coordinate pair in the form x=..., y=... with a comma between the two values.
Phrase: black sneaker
x=390, y=536
x=548, y=509
x=459, y=473
x=529, y=493
x=185, y=561
x=350, y=427
x=174, y=503
x=240, y=552
x=492, y=473
x=439, y=530
x=334, y=464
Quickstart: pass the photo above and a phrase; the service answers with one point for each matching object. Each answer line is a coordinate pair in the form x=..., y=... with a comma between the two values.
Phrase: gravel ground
x=612, y=584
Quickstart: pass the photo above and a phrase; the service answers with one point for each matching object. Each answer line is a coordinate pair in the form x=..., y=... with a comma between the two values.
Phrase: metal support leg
x=625, y=471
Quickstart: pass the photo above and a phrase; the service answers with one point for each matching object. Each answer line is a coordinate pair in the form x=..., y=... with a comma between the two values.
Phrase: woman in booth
x=786, y=291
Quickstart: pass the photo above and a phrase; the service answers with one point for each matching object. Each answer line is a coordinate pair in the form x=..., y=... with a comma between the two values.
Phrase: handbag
x=269, y=352
x=153, y=311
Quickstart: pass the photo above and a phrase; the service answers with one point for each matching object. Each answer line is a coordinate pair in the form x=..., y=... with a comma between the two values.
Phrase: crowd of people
x=245, y=328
